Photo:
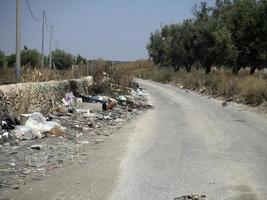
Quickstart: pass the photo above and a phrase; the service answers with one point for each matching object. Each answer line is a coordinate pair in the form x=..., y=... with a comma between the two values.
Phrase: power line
x=46, y=25
x=54, y=40
x=33, y=16
x=110, y=28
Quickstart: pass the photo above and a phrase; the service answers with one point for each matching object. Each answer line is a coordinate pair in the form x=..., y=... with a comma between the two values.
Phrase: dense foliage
x=62, y=59
x=233, y=33
x=30, y=57
x=2, y=59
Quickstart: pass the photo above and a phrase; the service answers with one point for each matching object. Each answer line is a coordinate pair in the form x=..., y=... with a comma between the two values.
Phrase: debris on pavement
x=191, y=197
x=72, y=125
x=36, y=147
x=224, y=104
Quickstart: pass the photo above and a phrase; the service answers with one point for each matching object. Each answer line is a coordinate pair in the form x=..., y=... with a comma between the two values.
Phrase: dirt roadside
x=91, y=174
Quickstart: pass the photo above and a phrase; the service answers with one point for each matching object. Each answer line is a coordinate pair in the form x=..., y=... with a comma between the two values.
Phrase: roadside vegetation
x=243, y=88
x=221, y=51
x=232, y=34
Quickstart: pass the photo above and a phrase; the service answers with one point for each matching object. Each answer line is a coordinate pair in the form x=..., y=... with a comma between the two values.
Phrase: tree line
x=232, y=33
x=32, y=58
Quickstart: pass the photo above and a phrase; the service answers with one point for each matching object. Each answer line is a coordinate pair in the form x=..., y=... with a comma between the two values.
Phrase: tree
x=11, y=60
x=80, y=60
x=61, y=59
x=30, y=57
x=232, y=33
x=244, y=23
x=155, y=47
x=2, y=59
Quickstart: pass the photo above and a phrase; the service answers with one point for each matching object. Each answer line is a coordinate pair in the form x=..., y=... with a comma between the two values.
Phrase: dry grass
x=242, y=88
x=121, y=74
x=252, y=89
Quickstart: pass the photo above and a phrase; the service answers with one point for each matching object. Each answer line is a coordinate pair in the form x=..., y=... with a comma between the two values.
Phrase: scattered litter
x=36, y=147
x=94, y=107
x=84, y=142
x=98, y=141
x=191, y=197
x=23, y=118
x=69, y=100
x=15, y=187
x=89, y=120
x=139, y=92
x=224, y=104
x=122, y=98
x=57, y=131
x=112, y=103
x=9, y=122
x=35, y=125
x=5, y=135
x=39, y=124
x=25, y=133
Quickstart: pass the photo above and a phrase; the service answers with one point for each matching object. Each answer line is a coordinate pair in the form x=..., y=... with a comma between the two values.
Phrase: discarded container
x=122, y=98
x=91, y=106
x=69, y=100
x=139, y=92
x=111, y=105
x=95, y=99
x=23, y=118
x=36, y=147
x=38, y=123
x=9, y=122
x=57, y=131
x=25, y=133
x=35, y=125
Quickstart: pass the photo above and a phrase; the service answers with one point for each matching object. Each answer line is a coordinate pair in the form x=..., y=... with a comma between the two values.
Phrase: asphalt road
x=186, y=144
x=191, y=144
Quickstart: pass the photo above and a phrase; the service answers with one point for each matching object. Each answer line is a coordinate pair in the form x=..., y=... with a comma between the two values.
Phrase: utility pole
x=43, y=39
x=17, y=40
x=50, y=47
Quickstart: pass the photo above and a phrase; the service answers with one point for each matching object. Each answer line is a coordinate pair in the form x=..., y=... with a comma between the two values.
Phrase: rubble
x=36, y=147
x=73, y=124
x=224, y=104
x=191, y=197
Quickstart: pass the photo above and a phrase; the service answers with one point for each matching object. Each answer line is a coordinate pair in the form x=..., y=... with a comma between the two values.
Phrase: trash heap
x=74, y=112
x=33, y=144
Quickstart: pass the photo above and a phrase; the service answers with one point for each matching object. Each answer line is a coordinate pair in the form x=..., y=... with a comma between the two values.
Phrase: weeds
x=220, y=82
x=120, y=74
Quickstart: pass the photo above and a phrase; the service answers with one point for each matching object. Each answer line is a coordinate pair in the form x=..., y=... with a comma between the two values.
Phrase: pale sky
x=109, y=29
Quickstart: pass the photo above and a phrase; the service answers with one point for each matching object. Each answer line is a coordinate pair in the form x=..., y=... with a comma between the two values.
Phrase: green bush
x=30, y=57
x=11, y=60
x=2, y=59
x=61, y=59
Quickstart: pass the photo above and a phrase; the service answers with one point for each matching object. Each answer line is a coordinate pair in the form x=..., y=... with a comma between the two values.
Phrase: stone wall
x=40, y=96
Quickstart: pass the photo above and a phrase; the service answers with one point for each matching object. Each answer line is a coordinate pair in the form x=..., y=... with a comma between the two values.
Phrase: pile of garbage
x=33, y=144
x=84, y=109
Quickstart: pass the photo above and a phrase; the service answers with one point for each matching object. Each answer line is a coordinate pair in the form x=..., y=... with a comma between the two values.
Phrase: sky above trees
x=109, y=29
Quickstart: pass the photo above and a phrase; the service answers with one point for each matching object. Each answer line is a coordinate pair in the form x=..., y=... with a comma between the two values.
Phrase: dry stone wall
x=39, y=96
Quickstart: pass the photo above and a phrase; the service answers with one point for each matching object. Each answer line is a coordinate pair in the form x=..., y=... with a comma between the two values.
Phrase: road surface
x=191, y=144
x=186, y=144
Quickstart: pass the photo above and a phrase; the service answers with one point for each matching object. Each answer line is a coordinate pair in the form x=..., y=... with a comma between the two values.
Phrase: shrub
x=61, y=59
x=252, y=89
x=2, y=59
x=30, y=57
